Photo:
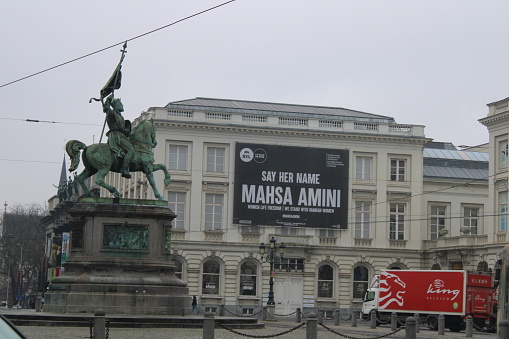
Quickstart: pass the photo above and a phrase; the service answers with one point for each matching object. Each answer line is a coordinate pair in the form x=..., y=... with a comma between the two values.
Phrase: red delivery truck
x=455, y=294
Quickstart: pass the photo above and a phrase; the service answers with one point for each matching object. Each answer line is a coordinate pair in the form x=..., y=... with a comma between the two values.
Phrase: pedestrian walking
x=195, y=305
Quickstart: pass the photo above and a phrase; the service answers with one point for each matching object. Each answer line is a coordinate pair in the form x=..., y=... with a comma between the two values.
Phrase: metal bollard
x=38, y=304
x=372, y=317
x=503, y=329
x=320, y=317
x=208, y=325
x=417, y=323
x=394, y=321
x=299, y=315
x=311, y=326
x=354, y=319
x=470, y=327
x=410, y=328
x=441, y=324
x=99, y=324
x=336, y=317
x=264, y=313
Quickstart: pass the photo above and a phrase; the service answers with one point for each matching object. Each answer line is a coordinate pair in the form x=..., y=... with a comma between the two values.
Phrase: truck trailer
x=455, y=294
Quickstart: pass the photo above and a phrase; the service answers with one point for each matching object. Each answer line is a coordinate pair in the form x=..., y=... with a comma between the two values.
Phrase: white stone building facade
x=397, y=216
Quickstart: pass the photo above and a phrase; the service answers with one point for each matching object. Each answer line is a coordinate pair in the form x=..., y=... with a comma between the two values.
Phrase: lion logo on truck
x=392, y=289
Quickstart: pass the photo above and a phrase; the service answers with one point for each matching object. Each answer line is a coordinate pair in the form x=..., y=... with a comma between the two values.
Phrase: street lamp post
x=272, y=257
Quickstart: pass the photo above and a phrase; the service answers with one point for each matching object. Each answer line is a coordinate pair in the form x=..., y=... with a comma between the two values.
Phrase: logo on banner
x=259, y=155
x=393, y=288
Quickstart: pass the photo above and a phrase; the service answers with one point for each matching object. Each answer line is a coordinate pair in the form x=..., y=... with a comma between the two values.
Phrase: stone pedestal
x=120, y=261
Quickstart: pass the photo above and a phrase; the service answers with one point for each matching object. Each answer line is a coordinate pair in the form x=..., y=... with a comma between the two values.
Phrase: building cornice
x=292, y=132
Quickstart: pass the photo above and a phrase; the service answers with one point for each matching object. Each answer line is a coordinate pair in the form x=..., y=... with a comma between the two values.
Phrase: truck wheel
x=432, y=322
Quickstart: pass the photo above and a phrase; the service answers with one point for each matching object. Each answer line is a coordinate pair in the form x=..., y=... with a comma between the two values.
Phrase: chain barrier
x=260, y=336
x=331, y=318
x=350, y=337
x=382, y=321
x=348, y=319
x=484, y=329
x=286, y=315
x=91, y=326
x=242, y=315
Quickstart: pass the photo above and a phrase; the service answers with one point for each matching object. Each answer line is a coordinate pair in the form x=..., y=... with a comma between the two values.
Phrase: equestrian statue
x=126, y=151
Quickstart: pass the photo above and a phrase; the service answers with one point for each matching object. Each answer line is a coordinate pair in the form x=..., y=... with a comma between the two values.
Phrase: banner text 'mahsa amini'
x=281, y=195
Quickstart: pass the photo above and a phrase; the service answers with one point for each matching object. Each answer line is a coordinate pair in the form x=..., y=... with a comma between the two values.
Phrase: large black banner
x=290, y=186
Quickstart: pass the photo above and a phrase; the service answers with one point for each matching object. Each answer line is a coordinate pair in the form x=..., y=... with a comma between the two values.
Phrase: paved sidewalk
x=47, y=332
x=271, y=328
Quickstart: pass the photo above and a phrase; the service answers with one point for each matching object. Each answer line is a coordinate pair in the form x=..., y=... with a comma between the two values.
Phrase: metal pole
x=270, y=301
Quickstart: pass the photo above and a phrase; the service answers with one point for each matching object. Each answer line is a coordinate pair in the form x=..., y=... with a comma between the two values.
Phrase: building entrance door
x=288, y=293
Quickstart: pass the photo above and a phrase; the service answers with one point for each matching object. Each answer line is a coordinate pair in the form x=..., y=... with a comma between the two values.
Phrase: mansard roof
x=278, y=109
x=444, y=161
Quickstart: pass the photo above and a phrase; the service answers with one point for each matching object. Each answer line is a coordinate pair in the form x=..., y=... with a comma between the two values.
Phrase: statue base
x=120, y=261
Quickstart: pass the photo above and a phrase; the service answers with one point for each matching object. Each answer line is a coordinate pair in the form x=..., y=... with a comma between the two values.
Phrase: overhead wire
x=117, y=44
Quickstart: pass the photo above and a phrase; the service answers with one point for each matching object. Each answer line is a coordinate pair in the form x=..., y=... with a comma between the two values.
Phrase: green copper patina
x=101, y=159
x=125, y=151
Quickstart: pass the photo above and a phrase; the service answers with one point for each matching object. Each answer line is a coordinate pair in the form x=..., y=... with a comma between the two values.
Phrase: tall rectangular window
x=397, y=222
x=363, y=168
x=437, y=221
x=502, y=202
x=177, y=202
x=471, y=219
x=362, y=219
x=215, y=159
x=178, y=158
x=502, y=154
x=398, y=169
x=213, y=211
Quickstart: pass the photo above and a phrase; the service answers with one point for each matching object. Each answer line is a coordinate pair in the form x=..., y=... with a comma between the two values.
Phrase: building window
x=397, y=221
x=360, y=281
x=248, y=274
x=177, y=202
x=470, y=220
x=178, y=158
x=502, y=154
x=362, y=219
x=215, y=159
x=398, y=167
x=179, y=269
x=213, y=211
x=290, y=264
x=327, y=233
x=363, y=168
x=502, y=201
x=325, y=281
x=437, y=221
x=211, y=277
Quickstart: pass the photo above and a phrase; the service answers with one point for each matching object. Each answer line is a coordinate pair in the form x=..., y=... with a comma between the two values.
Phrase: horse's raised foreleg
x=81, y=180
x=101, y=174
x=150, y=176
x=167, y=176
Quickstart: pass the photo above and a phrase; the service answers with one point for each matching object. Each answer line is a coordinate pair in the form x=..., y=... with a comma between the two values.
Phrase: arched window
x=325, y=281
x=179, y=270
x=211, y=277
x=360, y=281
x=248, y=274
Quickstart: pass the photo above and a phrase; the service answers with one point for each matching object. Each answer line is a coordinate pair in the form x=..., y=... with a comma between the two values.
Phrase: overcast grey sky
x=431, y=62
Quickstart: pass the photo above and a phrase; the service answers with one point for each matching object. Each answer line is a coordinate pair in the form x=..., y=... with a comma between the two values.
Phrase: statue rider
x=118, y=135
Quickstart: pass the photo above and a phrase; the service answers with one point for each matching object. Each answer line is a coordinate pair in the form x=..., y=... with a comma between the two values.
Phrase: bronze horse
x=98, y=158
